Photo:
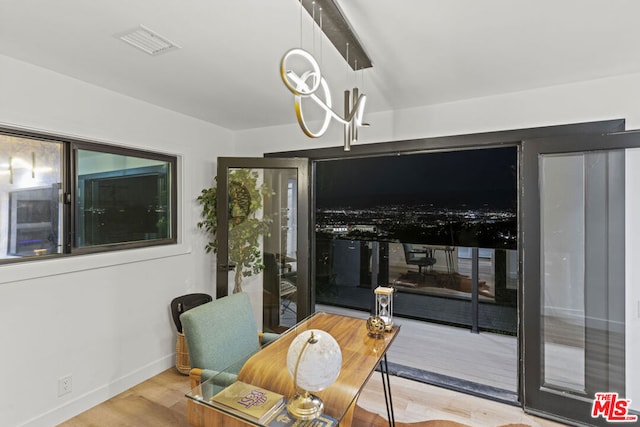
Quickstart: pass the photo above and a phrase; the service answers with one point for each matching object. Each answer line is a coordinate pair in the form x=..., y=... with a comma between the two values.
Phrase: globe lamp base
x=305, y=406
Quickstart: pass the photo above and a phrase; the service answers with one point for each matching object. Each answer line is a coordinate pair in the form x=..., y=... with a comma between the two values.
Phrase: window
x=410, y=221
x=61, y=196
x=30, y=187
x=121, y=199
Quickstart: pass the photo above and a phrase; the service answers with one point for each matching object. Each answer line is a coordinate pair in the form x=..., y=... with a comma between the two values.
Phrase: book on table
x=250, y=401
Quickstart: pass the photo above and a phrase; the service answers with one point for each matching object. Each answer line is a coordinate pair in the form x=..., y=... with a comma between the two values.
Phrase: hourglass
x=384, y=305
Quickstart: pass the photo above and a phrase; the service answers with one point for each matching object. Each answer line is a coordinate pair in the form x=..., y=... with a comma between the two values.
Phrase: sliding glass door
x=581, y=237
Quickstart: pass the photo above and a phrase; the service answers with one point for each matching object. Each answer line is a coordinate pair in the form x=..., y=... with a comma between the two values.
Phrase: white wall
x=102, y=318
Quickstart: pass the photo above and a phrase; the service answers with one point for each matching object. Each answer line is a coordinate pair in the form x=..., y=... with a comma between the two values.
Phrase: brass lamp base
x=305, y=406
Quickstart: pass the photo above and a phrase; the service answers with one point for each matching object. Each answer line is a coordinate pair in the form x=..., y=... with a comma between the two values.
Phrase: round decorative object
x=375, y=326
x=239, y=202
x=318, y=358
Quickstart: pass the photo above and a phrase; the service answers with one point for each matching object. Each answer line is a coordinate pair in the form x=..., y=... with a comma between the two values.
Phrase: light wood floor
x=160, y=402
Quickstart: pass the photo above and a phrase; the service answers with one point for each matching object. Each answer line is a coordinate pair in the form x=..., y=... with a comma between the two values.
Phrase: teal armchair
x=219, y=334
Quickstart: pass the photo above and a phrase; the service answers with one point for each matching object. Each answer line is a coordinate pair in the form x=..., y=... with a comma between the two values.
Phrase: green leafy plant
x=245, y=228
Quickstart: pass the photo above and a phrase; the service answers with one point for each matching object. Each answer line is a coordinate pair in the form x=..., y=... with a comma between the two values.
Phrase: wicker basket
x=182, y=355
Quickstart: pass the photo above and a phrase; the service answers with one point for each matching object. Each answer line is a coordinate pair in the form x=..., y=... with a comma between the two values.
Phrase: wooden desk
x=268, y=369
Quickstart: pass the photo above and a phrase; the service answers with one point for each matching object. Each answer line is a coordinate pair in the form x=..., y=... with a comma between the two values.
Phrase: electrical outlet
x=64, y=385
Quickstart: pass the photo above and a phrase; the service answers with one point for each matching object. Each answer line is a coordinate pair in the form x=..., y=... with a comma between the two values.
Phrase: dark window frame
x=69, y=184
x=117, y=150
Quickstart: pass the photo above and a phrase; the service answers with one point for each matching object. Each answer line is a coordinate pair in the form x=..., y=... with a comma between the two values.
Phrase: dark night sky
x=445, y=179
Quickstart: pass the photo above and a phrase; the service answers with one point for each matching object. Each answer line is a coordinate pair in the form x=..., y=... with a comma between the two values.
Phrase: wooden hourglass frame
x=384, y=305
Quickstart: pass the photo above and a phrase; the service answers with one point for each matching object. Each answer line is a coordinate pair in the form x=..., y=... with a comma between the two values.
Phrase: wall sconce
x=18, y=163
x=10, y=170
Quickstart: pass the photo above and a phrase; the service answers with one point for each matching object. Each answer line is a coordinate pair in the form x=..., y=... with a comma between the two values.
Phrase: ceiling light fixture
x=335, y=26
x=353, y=109
x=354, y=102
x=147, y=41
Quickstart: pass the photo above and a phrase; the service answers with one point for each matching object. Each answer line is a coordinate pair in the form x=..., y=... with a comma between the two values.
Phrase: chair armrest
x=221, y=378
x=418, y=251
x=197, y=376
x=267, y=338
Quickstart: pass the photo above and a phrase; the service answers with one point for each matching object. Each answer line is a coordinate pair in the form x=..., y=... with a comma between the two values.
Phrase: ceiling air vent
x=147, y=41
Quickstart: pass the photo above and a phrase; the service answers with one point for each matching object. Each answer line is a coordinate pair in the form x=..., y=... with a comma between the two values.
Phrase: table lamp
x=314, y=361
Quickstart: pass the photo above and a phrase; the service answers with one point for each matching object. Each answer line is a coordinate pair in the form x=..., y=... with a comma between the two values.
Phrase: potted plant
x=245, y=228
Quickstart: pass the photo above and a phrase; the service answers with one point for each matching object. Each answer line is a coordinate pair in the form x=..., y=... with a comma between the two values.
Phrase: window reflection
x=121, y=199
x=347, y=271
x=30, y=188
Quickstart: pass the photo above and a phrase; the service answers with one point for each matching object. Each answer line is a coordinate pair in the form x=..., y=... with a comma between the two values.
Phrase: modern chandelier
x=310, y=84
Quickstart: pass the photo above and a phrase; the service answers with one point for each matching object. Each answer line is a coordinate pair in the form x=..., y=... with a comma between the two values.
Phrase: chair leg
x=286, y=302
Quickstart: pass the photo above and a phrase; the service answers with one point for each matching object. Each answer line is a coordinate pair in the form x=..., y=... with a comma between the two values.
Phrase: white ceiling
x=227, y=70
